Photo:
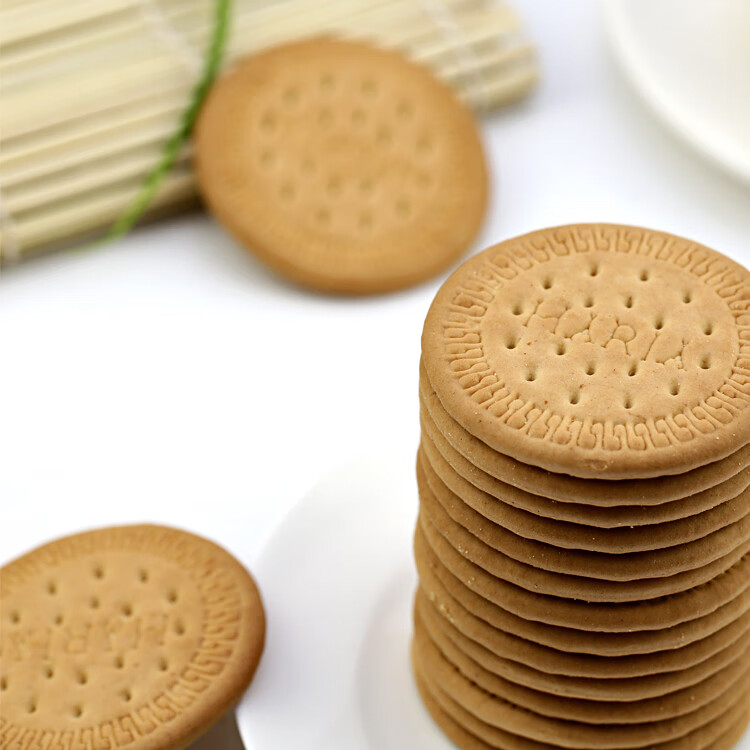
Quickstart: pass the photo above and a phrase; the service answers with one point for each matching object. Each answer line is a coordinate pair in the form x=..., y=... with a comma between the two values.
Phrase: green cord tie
x=212, y=63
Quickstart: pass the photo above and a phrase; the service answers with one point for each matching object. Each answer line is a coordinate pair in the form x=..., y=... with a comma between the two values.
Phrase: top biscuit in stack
x=596, y=351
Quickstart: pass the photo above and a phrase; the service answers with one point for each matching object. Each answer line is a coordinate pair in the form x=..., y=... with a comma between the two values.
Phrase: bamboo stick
x=48, y=143
x=485, y=31
x=37, y=231
x=91, y=88
x=93, y=176
x=51, y=16
x=154, y=130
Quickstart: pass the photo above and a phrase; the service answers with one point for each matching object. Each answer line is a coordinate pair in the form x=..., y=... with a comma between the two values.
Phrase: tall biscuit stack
x=583, y=542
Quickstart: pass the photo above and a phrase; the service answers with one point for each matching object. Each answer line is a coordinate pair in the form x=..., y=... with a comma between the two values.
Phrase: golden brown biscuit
x=630, y=677
x=571, y=734
x=343, y=167
x=465, y=729
x=607, y=517
x=653, y=614
x=696, y=557
x=598, y=351
x=137, y=636
x=723, y=626
x=564, y=488
x=586, y=710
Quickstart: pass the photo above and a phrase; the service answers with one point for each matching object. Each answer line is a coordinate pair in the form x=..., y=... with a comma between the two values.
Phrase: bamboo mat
x=91, y=89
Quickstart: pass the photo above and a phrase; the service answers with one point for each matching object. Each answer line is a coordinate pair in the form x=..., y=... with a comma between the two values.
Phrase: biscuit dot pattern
x=111, y=613
x=629, y=352
x=337, y=103
x=79, y=666
x=582, y=321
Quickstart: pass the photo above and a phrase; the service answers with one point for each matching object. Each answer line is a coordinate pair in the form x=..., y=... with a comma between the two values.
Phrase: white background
x=170, y=378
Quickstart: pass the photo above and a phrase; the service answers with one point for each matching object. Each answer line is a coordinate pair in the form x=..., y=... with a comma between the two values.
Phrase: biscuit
x=563, y=488
x=470, y=733
x=615, y=541
x=343, y=167
x=512, y=560
x=607, y=517
x=587, y=711
x=630, y=677
x=723, y=626
x=696, y=557
x=597, y=351
x=617, y=689
x=136, y=635
x=569, y=734
x=563, y=585
x=654, y=614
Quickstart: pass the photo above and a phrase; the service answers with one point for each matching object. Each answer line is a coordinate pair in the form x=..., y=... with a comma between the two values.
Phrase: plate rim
x=670, y=111
x=397, y=514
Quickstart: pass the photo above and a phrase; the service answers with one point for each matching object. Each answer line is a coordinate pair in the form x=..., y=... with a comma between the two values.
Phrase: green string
x=172, y=147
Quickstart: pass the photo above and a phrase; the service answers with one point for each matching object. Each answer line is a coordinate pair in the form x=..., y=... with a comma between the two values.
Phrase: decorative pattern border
x=475, y=294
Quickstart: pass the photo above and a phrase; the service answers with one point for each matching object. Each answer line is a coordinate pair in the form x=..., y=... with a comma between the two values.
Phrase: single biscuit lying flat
x=597, y=351
x=135, y=636
x=344, y=167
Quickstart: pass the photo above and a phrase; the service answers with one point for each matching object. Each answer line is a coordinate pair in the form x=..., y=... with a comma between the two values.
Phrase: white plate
x=338, y=582
x=690, y=59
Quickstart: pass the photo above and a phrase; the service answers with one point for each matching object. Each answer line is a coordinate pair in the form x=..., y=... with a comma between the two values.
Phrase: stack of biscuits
x=583, y=541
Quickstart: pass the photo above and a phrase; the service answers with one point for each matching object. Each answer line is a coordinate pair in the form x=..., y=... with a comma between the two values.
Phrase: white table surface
x=170, y=378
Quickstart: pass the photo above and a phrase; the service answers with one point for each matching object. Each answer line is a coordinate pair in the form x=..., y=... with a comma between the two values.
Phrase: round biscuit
x=137, y=636
x=595, y=350
x=344, y=167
